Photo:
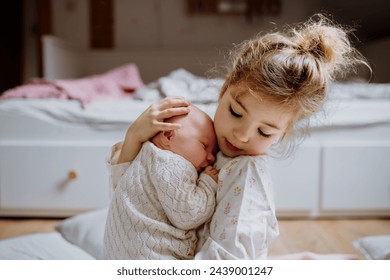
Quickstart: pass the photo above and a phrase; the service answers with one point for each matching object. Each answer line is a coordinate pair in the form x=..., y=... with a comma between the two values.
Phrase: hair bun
x=319, y=43
x=326, y=41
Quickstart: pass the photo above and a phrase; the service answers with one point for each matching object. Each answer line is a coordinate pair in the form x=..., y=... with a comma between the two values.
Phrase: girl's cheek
x=261, y=147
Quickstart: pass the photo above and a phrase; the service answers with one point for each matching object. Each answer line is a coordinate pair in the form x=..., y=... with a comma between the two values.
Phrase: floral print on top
x=244, y=223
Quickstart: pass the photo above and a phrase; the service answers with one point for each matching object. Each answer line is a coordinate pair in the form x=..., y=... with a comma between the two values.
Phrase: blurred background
x=339, y=176
x=172, y=25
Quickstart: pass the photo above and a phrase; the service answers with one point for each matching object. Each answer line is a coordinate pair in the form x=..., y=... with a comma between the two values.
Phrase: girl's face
x=248, y=125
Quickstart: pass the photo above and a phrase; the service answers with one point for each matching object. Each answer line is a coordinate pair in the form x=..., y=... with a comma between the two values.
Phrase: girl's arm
x=244, y=221
x=149, y=123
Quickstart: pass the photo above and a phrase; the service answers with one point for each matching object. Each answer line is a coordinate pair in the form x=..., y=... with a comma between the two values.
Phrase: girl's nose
x=242, y=134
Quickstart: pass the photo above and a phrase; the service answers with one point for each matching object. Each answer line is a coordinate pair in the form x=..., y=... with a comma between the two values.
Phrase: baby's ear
x=166, y=136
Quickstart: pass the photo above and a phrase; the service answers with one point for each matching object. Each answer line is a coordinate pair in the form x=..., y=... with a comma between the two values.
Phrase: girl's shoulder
x=241, y=161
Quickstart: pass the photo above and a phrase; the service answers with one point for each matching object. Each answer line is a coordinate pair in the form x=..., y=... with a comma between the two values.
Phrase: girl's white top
x=244, y=223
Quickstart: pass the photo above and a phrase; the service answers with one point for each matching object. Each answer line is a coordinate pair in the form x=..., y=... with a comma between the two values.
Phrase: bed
x=53, y=153
x=53, y=150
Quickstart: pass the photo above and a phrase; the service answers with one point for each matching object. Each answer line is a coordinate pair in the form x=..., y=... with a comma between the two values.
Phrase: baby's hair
x=294, y=67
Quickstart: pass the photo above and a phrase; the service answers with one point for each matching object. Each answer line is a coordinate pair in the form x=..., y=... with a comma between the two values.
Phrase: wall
x=30, y=52
x=70, y=21
x=378, y=56
x=163, y=25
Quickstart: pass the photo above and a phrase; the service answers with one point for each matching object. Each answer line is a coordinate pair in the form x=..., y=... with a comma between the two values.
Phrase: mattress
x=351, y=105
x=51, y=119
x=23, y=119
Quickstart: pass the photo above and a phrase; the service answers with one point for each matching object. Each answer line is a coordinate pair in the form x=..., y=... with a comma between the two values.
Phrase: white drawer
x=356, y=178
x=296, y=182
x=53, y=179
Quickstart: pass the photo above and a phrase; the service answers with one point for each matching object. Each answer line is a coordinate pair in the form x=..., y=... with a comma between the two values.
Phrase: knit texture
x=156, y=207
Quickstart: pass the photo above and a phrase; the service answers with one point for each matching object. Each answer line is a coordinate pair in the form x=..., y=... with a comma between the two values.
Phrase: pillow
x=374, y=247
x=86, y=231
x=41, y=246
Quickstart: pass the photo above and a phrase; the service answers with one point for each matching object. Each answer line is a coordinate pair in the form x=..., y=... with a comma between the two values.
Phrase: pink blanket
x=120, y=82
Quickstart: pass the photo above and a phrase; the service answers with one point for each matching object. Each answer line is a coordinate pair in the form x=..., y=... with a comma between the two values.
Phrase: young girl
x=276, y=82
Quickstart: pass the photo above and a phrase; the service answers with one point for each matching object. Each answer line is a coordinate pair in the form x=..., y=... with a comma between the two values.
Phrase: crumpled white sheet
x=41, y=246
x=184, y=84
x=350, y=104
x=202, y=90
x=359, y=91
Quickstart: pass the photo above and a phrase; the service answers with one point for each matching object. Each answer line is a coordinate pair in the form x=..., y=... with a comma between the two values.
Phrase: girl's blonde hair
x=294, y=67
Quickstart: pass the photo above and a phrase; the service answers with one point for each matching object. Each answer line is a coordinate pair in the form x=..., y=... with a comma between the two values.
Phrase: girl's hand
x=149, y=123
x=212, y=172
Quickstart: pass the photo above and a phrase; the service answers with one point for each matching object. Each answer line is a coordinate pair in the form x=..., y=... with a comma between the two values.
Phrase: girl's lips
x=231, y=147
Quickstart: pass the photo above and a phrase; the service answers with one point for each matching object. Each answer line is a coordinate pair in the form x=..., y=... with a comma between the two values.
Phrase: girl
x=276, y=82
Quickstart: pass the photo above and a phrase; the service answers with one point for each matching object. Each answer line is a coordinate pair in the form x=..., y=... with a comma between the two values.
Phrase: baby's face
x=196, y=140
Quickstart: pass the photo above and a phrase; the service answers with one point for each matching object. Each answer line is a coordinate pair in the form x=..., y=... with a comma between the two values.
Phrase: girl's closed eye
x=234, y=113
x=264, y=134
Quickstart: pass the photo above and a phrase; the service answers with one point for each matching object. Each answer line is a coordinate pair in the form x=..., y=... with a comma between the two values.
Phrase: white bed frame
x=59, y=170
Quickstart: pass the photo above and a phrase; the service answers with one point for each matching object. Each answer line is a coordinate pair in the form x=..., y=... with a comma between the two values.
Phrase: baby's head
x=195, y=140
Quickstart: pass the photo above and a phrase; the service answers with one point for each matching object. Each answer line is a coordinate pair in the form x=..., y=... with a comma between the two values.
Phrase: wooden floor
x=15, y=227
x=324, y=236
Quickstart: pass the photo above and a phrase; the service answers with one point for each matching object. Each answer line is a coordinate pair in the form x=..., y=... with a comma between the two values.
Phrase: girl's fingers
x=163, y=126
x=172, y=102
x=168, y=107
x=171, y=112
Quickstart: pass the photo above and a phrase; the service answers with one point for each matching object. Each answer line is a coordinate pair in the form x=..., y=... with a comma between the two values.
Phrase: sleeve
x=243, y=218
x=116, y=170
x=188, y=201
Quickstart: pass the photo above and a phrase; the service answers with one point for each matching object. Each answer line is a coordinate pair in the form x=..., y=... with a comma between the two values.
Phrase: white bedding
x=41, y=246
x=100, y=115
x=112, y=115
x=353, y=104
x=79, y=237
